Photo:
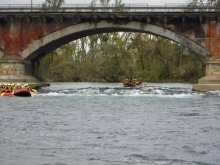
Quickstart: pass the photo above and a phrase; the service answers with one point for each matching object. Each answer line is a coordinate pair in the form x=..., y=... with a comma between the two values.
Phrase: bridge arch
x=54, y=40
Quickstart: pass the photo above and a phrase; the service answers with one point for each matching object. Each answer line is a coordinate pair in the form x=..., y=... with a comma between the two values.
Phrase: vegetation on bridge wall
x=112, y=57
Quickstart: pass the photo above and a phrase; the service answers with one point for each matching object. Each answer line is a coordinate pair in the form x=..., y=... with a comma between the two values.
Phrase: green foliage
x=203, y=3
x=106, y=3
x=112, y=57
x=54, y=4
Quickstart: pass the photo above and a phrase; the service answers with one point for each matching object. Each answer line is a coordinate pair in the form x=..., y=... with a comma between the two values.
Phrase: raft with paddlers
x=133, y=82
x=11, y=89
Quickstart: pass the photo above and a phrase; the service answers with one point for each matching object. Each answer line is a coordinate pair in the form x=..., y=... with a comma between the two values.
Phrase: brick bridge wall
x=17, y=33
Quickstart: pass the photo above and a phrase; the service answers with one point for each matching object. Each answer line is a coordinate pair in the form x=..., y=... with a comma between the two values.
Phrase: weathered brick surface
x=214, y=39
x=16, y=35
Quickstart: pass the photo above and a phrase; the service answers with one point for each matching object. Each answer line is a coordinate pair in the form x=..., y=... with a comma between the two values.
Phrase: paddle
x=120, y=84
x=32, y=94
x=14, y=90
x=145, y=84
x=34, y=90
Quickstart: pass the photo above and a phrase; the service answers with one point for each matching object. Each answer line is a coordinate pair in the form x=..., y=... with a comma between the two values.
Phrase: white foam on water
x=50, y=94
x=150, y=92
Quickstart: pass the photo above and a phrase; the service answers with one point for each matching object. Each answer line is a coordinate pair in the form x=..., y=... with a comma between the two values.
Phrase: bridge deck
x=125, y=8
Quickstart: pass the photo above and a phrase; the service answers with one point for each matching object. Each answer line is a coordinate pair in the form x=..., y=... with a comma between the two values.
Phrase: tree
x=202, y=3
x=54, y=4
x=215, y=3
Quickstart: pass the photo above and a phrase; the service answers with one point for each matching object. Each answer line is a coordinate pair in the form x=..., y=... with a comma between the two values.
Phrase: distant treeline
x=112, y=57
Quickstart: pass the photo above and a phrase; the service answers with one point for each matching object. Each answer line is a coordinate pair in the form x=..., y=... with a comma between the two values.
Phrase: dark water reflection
x=91, y=123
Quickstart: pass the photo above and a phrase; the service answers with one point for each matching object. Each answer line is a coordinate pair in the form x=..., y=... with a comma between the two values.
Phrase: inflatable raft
x=16, y=90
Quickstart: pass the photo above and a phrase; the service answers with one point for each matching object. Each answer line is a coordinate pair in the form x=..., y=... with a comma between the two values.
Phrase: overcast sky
x=150, y=2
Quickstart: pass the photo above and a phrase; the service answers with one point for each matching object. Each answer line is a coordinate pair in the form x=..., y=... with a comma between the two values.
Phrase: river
x=107, y=124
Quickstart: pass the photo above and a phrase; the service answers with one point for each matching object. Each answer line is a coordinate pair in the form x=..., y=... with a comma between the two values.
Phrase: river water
x=107, y=124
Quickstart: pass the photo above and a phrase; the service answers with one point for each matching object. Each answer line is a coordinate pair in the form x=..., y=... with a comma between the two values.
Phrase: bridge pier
x=18, y=71
x=211, y=80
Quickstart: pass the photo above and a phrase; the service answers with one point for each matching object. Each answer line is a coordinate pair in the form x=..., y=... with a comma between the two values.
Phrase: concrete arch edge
x=81, y=30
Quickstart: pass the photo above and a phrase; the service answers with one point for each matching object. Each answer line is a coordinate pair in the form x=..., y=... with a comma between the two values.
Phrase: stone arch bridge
x=29, y=33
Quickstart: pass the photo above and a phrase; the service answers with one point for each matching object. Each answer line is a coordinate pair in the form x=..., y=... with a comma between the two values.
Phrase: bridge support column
x=211, y=80
x=17, y=71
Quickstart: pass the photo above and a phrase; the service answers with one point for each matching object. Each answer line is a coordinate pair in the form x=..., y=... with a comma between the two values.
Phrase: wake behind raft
x=21, y=90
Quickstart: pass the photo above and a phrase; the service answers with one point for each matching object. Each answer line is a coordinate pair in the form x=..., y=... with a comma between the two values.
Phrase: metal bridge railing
x=126, y=8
